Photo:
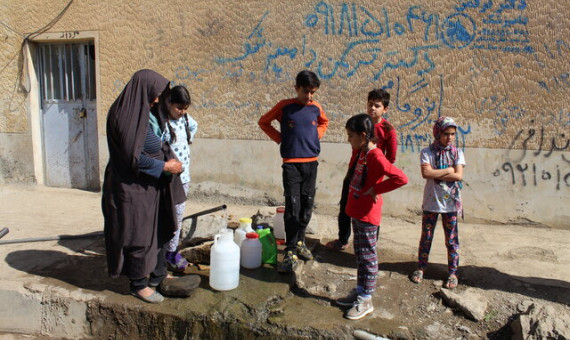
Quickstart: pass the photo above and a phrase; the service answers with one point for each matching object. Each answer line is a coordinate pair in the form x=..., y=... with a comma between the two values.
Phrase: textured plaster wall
x=499, y=67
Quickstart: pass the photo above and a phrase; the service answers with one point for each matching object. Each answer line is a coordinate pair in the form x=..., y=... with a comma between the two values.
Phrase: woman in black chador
x=141, y=187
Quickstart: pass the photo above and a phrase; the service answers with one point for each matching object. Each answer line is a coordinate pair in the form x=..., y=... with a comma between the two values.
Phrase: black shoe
x=303, y=252
x=289, y=263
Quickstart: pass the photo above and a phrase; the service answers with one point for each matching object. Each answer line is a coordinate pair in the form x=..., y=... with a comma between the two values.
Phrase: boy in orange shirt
x=302, y=124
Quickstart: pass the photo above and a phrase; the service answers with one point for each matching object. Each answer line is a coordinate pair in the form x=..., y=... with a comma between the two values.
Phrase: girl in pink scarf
x=442, y=167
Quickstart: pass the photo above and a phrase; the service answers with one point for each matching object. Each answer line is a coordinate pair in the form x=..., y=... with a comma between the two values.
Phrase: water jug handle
x=216, y=237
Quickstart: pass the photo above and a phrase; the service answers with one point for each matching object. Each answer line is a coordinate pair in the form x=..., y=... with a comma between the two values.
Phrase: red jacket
x=386, y=140
x=362, y=207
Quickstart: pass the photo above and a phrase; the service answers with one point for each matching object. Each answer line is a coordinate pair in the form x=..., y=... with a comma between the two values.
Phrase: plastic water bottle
x=279, y=224
x=224, y=262
x=244, y=228
x=268, y=245
x=250, y=256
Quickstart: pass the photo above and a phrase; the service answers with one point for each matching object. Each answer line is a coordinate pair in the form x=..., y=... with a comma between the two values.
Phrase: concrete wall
x=500, y=68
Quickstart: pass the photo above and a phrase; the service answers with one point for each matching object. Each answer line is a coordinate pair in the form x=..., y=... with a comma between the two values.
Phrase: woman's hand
x=173, y=166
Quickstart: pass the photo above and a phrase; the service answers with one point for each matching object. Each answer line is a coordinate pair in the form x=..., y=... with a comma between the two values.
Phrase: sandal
x=417, y=276
x=451, y=282
x=336, y=245
x=155, y=297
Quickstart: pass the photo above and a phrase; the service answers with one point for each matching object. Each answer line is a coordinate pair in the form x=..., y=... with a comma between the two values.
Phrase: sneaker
x=349, y=300
x=304, y=252
x=361, y=308
x=289, y=263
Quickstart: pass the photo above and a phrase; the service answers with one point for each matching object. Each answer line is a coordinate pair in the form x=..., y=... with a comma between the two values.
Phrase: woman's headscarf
x=446, y=156
x=128, y=119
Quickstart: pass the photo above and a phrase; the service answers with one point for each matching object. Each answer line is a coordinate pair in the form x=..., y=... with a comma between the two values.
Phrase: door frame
x=34, y=97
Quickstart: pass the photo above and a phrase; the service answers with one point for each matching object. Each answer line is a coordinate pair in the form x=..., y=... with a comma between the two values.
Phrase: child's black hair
x=180, y=95
x=177, y=95
x=362, y=123
x=307, y=78
x=384, y=97
x=380, y=94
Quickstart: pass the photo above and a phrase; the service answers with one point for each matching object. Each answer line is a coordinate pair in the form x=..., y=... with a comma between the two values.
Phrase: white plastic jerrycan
x=224, y=262
x=279, y=223
x=251, y=251
x=244, y=228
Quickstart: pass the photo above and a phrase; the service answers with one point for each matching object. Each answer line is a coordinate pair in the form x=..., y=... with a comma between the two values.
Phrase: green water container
x=268, y=245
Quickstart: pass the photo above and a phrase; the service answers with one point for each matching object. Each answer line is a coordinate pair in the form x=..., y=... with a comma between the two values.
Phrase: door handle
x=82, y=113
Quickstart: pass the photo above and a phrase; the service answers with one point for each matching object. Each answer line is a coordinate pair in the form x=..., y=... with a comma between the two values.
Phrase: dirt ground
x=510, y=266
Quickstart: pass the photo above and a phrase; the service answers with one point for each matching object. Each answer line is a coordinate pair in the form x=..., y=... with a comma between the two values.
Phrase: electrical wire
x=34, y=34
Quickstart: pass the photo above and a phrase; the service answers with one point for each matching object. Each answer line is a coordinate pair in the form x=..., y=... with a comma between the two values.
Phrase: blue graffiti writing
x=423, y=114
x=255, y=41
x=185, y=73
x=535, y=173
x=459, y=30
x=414, y=142
x=497, y=19
x=343, y=62
x=557, y=82
x=502, y=34
x=497, y=107
x=429, y=20
x=518, y=5
x=406, y=64
x=560, y=118
x=352, y=21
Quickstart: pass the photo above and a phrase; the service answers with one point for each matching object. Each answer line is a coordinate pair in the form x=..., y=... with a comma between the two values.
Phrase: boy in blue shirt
x=302, y=123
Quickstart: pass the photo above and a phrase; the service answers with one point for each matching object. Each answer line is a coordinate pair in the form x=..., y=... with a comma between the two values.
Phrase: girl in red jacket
x=364, y=206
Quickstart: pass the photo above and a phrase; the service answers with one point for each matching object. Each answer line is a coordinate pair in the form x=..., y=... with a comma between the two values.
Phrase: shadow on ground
x=490, y=278
x=86, y=269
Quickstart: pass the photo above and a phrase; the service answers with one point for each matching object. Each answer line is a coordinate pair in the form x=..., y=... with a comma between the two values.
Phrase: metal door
x=69, y=115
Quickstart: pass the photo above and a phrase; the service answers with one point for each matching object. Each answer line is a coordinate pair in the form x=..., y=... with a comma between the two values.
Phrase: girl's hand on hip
x=371, y=193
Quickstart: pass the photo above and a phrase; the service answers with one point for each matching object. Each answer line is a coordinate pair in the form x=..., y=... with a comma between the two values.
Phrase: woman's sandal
x=155, y=297
x=417, y=276
x=451, y=282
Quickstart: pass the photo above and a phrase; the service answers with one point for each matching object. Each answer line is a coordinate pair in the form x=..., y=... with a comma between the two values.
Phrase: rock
x=468, y=302
x=205, y=226
x=524, y=306
x=542, y=322
x=464, y=329
x=364, y=335
x=180, y=286
x=198, y=254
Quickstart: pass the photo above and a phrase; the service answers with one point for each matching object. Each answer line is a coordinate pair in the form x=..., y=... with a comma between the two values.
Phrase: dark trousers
x=299, y=184
x=344, y=224
x=158, y=274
